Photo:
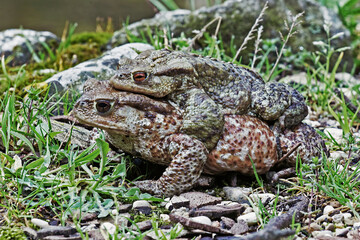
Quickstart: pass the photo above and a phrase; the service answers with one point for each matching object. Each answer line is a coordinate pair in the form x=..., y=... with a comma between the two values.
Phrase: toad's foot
x=188, y=158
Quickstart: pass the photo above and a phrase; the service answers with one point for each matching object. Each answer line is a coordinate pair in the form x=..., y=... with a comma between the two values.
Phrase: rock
x=314, y=227
x=226, y=222
x=165, y=217
x=40, y=223
x=341, y=232
x=123, y=220
x=237, y=194
x=324, y=233
x=238, y=16
x=30, y=233
x=338, y=155
x=323, y=218
x=263, y=197
x=239, y=228
x=108, y=227
x=328, y=209
x=356, y=225
x=103, y=67
x=330, y=227
x=338, y=218
x=180, y=201
x=202, y=219
x=348, y=219
x=346, y=78
x=13, y=42
x=199, y=199
x=124, y=208
x=143, y=226
x=249, y=218
x=55, y=230
x=336, y=133
x=217, y=211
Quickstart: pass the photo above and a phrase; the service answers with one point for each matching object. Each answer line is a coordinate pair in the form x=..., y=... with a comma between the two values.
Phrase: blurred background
x=51, y=15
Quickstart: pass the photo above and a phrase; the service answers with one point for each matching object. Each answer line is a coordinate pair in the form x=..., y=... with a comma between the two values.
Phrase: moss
x=91, y=37
x=12, y=232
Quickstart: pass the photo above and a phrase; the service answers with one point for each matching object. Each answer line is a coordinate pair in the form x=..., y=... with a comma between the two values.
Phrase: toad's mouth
x=144, y=103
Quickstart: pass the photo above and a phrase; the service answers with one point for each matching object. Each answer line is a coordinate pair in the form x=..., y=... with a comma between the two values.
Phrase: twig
x=288, y=36
x=249, y=36
x=201, y=32
x=257, y=43
x=290, y=152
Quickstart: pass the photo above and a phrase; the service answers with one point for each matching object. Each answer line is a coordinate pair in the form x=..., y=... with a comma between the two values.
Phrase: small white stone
x=324, y=233
x=202, y=219
x=109, y=227
x=248, y=210
x=341, y=231
x=315, y=227
x=40, y=223
x=348, y=219
x=249, y=218
x=328, y=209
x=263, y=197
x=141, y=204
x=338, y=218
x=338, y=155
x=336, y=133
x=165, y=217
x=237, y=194
x=356, y=225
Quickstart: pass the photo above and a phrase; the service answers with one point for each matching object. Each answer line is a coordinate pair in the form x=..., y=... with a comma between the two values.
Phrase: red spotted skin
x=152, y=129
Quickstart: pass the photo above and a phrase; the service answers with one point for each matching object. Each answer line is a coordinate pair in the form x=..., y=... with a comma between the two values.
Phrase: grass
x=42, y=177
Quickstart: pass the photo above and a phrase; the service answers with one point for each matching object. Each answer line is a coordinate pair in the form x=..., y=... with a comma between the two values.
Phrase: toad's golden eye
x=139, y=76
x=103, y=106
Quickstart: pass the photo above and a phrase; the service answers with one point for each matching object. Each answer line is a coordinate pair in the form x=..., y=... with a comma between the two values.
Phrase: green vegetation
x=43, y=177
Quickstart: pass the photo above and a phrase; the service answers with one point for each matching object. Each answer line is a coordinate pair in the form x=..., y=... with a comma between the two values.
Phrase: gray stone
x=328, y=209
x=143, y=226
x=55, y=230
x=202, y=219
x=341, y=232
x=199, y=199
x=324, y=233
x=338, y=218
x=100, y=68
x=180, y=201
x=237, y=194
x=239, y=228
x=238, y=17
x=13, y=42
x=108, y=227
x=227, y=222
x=249, y=218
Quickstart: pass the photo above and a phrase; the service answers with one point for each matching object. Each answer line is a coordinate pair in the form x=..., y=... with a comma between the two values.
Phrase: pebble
x=249, y=218
x=336, y=133
x=180, y=201
x=165, y=217
x=202, y=219
x=200, y=199
x=237, y=194
x=356, y=225
x=324, y=233
x=122, y=219
x=142, y=206
x=328, y=209
x=338, y=155
x=330, y=227
x=227, y=222
x=40, y=223
x=341, y=232
x=314, y=227
x=109, y=227
x=263, y=197
x=338, y=218
x=348, y=219
x=248, y=210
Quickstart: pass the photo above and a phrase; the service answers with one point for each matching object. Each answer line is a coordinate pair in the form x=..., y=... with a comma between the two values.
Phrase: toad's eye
x=103, y=106
x=139, y=76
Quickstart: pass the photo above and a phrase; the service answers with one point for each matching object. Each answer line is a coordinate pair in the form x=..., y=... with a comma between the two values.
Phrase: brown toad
x=207, y=89
x=152, y=129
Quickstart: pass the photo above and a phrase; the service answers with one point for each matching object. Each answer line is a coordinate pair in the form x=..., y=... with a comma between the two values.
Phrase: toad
x=207, y=89
x=153, y=130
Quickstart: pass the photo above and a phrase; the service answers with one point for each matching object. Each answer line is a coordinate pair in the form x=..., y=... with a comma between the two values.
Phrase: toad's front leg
x=188, y=158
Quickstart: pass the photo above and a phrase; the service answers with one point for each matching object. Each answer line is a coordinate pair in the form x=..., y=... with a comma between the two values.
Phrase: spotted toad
x=153, y=130
x=207, y=89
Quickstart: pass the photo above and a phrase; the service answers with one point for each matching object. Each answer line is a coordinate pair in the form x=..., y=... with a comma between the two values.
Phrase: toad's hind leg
x=188, y=158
